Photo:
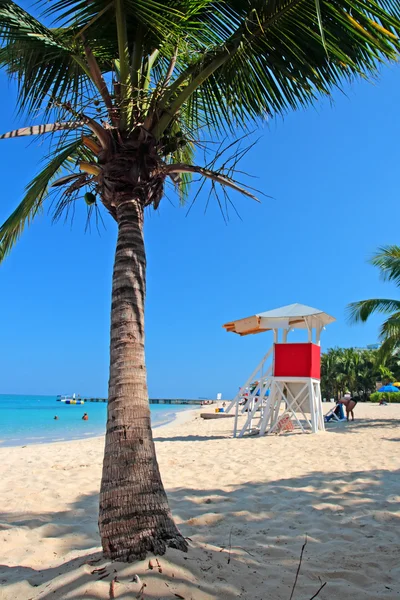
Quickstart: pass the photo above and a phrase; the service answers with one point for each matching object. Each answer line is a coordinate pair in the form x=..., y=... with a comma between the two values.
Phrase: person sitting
x=85, y=417
x=336, y=412
x=339, y=412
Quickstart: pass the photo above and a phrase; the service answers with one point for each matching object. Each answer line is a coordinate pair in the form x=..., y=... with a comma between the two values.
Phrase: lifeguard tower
x=285, y=386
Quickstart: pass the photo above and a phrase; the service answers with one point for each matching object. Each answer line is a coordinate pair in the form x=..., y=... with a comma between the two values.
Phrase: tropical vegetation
x=356, y=370
x=385, y=397
x=130, y=89
x=387, y=259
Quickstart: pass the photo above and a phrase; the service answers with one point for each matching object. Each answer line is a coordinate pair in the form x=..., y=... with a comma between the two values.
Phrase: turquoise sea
x=30, y=419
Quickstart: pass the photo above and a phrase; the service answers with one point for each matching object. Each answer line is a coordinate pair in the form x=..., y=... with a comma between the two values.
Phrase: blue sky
x=333, y=175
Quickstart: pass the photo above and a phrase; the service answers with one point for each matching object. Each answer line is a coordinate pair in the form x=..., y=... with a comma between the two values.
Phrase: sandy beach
x=245, y=506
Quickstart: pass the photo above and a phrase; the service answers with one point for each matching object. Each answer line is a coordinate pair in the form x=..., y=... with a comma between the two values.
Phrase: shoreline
x=43, y=441
x=245, y=506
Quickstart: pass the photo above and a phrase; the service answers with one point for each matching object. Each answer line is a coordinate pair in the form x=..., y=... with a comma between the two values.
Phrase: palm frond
x=66, y=179
x=46, y=63
x=388, y=348
x=391, y=327
x=159, y=18
x=184, y=153
x=215, y=176
x=272, y=56
x=184, y=180
x=362, y=310
x=237, y=61
x=32, y=202
x=41, y=129
x=388, y=261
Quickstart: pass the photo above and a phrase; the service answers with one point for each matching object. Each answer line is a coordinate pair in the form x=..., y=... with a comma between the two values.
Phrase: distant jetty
x=159, y=401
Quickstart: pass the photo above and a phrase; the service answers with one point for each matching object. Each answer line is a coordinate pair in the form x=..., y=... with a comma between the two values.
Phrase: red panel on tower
x=297, y=360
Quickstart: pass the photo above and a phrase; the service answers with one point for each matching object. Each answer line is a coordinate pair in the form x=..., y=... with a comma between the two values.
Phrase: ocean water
x=30, y=419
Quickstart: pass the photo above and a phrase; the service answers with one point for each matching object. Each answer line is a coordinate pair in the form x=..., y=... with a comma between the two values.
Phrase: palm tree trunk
x=134, y=514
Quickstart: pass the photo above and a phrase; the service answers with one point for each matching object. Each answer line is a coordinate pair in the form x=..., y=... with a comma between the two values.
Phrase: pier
x=159, y=401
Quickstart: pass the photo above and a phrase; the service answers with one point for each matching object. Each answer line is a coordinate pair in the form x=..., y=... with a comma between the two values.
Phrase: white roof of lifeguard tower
x=298, y=316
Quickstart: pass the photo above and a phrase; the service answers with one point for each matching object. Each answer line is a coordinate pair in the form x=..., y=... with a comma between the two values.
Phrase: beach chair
x=284, y=424
x=332, y=416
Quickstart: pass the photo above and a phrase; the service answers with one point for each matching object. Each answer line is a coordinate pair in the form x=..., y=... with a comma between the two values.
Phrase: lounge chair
x=336, y=414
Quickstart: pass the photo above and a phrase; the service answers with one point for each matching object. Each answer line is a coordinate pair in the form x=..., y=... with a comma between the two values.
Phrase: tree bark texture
x=134, y=518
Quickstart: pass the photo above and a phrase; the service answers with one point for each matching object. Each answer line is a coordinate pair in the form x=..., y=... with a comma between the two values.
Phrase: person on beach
x=338, y=411
x=349, y=404
x=85, y=417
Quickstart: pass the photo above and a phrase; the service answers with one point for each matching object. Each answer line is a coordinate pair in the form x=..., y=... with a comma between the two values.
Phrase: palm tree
x=132, y=88
x=368, y=372
x=388, y=262
x=353, y=369
x=331, y=376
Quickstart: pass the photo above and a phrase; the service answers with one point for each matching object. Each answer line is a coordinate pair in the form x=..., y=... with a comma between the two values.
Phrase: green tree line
x=356, y=370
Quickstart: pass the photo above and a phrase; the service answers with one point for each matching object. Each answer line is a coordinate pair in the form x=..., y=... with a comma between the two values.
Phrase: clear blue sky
x=333, y=174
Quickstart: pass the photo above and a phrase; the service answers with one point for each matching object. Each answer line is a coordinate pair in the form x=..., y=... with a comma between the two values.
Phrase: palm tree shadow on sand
x=246, y=538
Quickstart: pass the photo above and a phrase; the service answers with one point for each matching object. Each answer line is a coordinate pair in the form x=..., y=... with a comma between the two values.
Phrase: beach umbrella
x=388, y=388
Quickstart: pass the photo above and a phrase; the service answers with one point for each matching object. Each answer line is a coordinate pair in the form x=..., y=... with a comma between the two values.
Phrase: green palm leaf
x=388, y=348
x=272, y=56
x=391, y=327
x=388, y=261
x=362, y=310
x=36, y=193
x=46, y=63
x=238, y=60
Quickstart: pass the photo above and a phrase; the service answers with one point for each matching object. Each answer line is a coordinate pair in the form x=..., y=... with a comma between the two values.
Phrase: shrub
x=387, y=396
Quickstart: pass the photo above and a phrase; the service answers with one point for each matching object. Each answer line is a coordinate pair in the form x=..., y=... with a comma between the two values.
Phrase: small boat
x=70, y=399
x=215, y=416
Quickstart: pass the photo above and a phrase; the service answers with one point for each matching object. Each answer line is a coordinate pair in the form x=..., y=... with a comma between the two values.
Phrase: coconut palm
x=388, y=262
x=331, y=383
x=354, y=369
x=129, y=89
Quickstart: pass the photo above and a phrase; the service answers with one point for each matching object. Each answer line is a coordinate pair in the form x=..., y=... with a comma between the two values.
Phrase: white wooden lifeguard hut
x=286, y=383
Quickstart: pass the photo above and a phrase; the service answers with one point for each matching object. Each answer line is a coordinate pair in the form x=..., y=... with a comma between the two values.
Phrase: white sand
x=259, y=496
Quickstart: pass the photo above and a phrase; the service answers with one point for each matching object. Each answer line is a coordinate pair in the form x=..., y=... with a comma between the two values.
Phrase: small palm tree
x=388, y=262
x=132, y=89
